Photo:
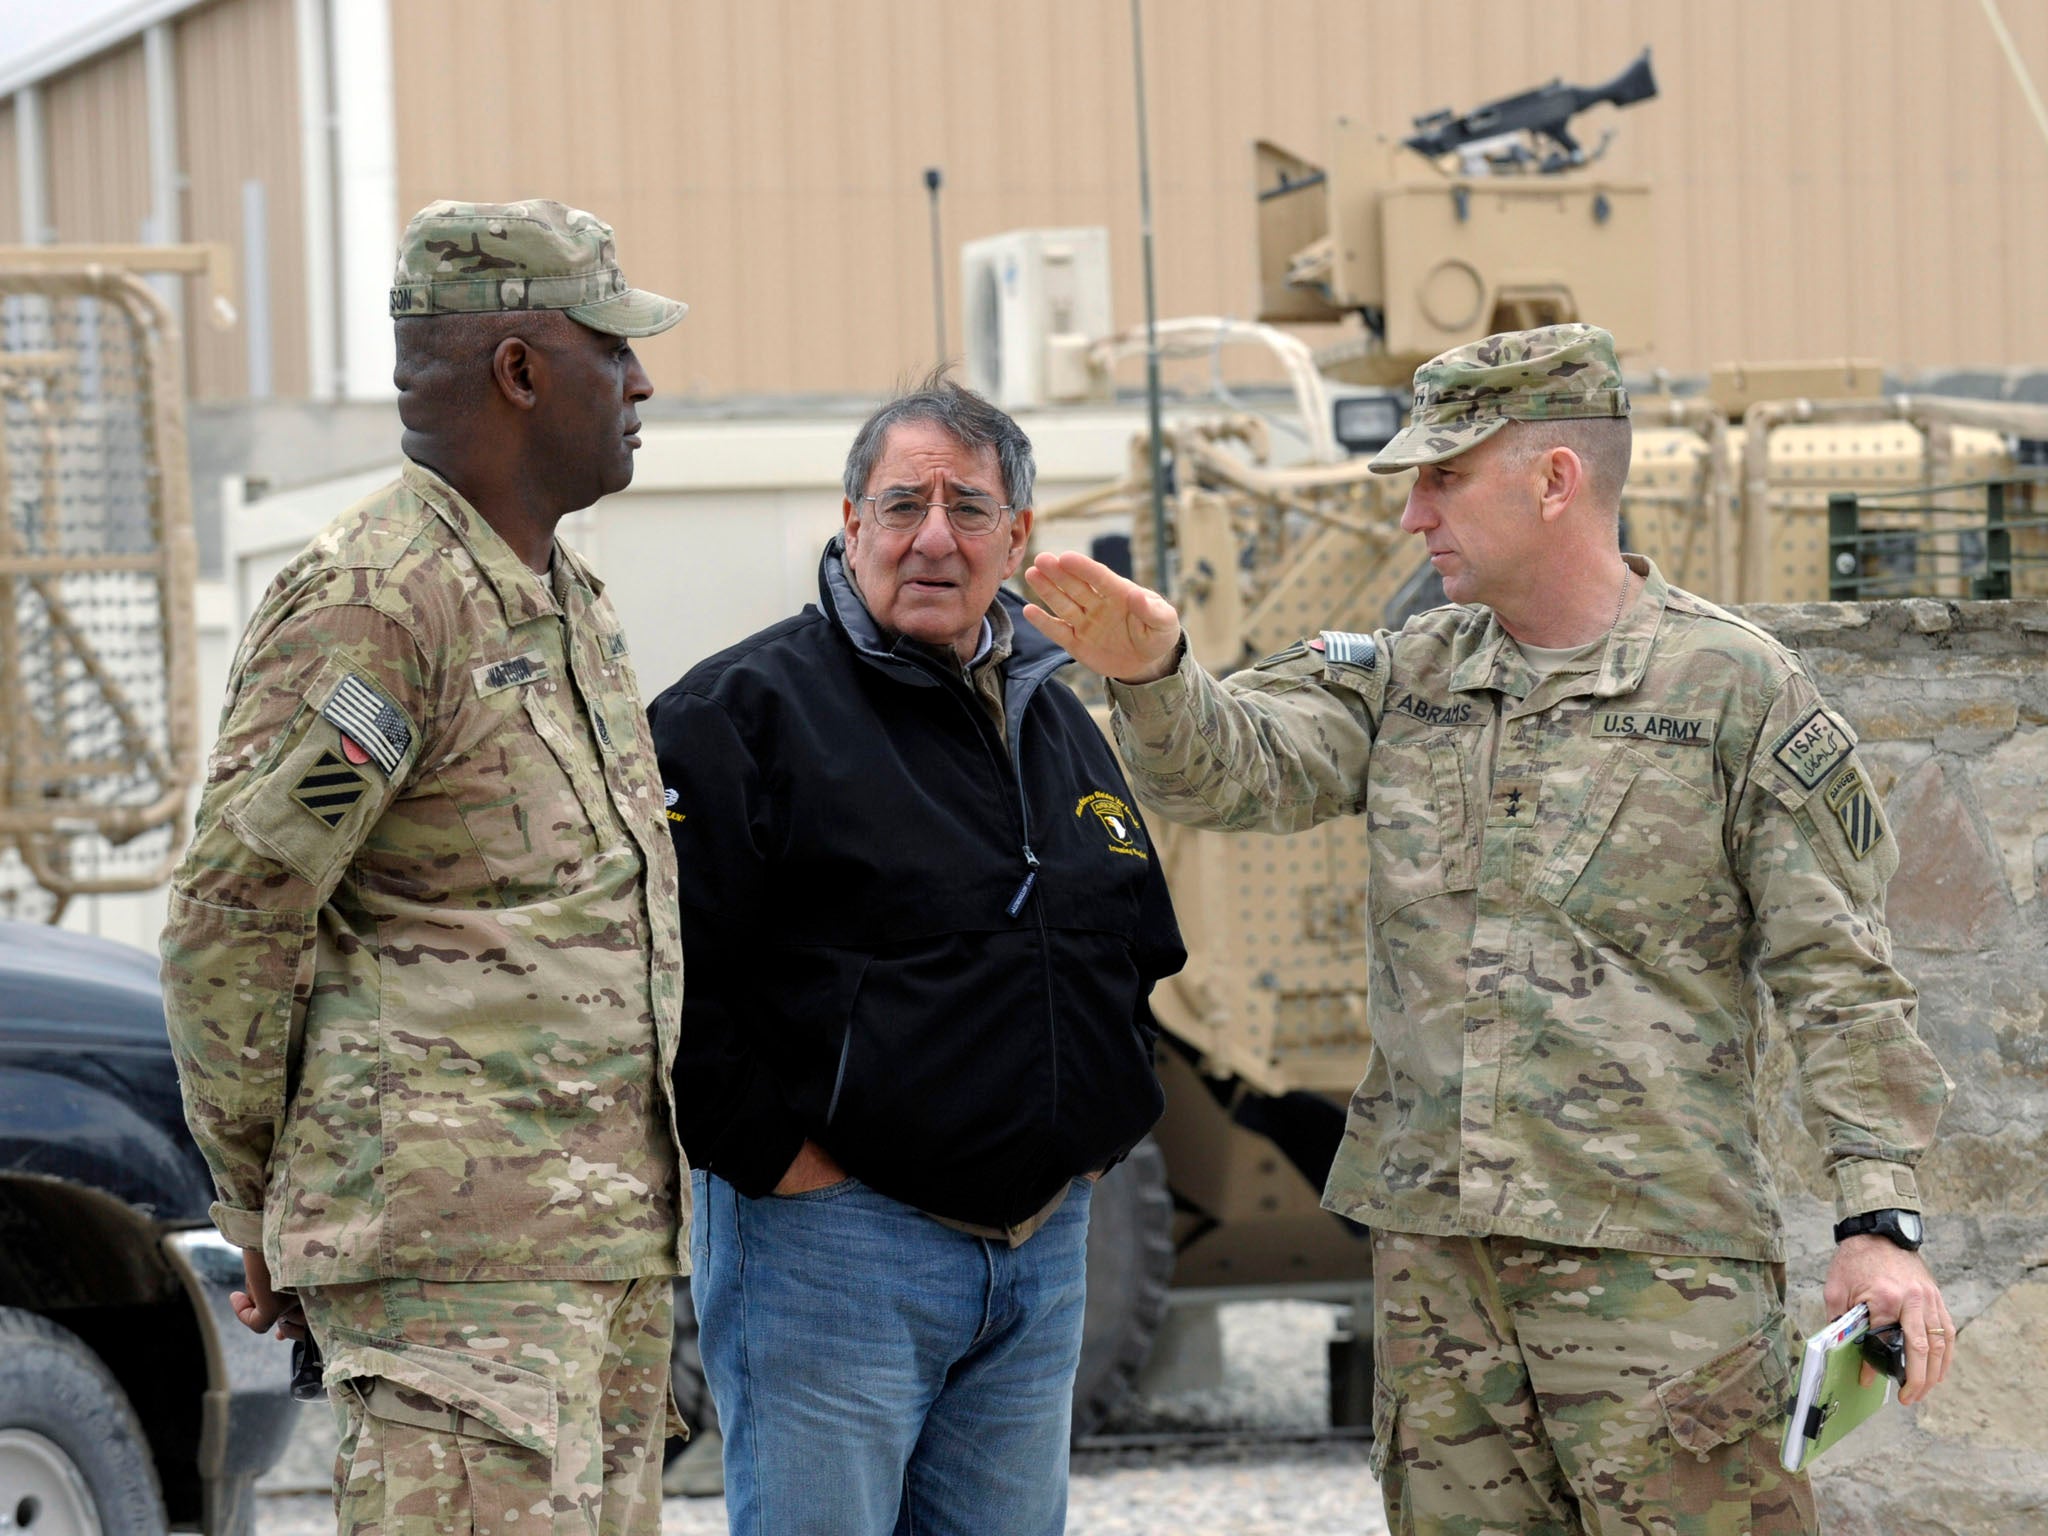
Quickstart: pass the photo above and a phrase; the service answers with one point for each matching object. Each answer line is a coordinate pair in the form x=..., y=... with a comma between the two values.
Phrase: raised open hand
x=1106, y=621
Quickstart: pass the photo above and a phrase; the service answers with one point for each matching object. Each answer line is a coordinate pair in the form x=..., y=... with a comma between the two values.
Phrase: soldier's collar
x=523, y=592
x=1496, y=663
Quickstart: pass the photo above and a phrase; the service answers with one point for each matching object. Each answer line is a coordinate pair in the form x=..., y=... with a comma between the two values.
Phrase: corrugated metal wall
x=10, y=179
x=238, y=121
x=1839, y=176
x=237, y=100
x=1836, y=176
x=96, y=134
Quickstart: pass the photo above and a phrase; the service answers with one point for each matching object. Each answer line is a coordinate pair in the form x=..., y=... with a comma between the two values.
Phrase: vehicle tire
x=1130, y=1266
x=71, y=1449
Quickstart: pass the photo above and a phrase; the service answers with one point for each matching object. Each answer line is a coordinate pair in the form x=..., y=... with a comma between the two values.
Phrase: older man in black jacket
x=921, y=919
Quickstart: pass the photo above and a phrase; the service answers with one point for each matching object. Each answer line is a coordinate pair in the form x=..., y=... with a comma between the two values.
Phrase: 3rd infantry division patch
x=329, y=789
x=1849, y=797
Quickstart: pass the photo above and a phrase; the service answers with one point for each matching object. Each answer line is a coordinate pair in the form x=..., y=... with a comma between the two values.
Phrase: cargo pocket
x=1385, y=1414
x=412, y=1405
x=1736, y=1395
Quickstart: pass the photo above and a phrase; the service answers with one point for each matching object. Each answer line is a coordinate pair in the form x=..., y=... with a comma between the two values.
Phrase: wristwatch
x=1903, y=1227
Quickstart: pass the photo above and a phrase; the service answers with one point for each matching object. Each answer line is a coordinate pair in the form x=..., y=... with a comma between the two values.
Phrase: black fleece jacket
x=921, y=945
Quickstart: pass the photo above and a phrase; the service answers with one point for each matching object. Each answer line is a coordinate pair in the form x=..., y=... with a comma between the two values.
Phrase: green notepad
x=1832, y=1399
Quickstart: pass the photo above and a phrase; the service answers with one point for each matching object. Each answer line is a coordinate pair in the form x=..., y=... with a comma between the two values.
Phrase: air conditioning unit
x=1034, y=300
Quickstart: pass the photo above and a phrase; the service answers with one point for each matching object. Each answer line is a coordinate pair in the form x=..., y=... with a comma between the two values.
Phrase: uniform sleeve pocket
x=308, y=808
x=1734, y=1394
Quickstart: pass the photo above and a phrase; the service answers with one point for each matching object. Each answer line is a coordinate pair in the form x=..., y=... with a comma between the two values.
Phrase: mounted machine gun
x=1478, y=222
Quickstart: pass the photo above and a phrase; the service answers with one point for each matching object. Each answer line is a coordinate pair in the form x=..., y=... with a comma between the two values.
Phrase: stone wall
x=1951, y=702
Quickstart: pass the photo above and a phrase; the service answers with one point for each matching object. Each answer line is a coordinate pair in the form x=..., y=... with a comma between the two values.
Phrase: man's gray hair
x=962, y=415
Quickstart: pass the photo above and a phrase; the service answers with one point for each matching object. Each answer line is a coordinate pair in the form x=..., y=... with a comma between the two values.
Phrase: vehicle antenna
x=1159, y=568
x=933, y=178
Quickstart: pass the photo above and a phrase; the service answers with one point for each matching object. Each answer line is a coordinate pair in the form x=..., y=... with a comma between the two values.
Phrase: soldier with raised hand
x=422, y=969
x=1607, y=821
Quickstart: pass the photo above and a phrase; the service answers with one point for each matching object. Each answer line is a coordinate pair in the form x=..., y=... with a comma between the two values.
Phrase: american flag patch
x=370, y=720
x=1352, y=650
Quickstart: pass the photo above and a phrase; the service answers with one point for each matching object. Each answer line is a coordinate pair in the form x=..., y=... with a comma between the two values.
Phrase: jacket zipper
x=979, y=720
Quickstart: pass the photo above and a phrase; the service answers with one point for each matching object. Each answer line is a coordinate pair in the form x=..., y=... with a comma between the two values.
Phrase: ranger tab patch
x=1848, y=796
x=1348, y=649
x=330, y=789
x=370, y=720
x=1813, y=746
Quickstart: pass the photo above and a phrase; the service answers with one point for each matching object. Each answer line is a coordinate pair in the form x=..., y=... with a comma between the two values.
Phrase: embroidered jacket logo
x=1116, y=819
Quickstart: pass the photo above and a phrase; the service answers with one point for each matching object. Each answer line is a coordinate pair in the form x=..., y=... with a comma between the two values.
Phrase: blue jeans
x=876, y=1372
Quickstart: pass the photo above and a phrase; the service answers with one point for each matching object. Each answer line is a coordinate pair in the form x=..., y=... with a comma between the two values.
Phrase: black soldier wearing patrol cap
x=422, y=968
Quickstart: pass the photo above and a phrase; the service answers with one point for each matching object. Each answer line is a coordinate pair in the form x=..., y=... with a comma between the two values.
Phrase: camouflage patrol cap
x=1465, y=395
x=478, y=258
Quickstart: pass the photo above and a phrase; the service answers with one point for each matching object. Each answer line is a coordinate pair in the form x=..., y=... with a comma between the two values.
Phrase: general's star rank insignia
x=330, y=789
x=1848, y=796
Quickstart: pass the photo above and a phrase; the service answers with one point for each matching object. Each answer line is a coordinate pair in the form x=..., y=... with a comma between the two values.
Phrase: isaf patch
x=1849, y=796
x=370, y=722
x=330, y=789
x=1813, y=746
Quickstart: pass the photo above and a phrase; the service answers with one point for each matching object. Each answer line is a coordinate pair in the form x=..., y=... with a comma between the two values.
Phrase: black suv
x=131, y=1397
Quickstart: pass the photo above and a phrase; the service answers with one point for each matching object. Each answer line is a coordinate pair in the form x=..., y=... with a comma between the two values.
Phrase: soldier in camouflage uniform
x=422, y=967
x=1606, y=818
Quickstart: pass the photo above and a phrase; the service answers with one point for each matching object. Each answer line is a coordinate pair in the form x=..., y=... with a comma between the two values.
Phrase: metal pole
x=1845, y=581
x=1160, y=573
x=932, y=180
x=1996, y=582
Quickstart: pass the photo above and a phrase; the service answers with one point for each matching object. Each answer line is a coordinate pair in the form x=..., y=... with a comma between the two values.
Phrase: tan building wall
x=1837, y=176
x=96, y=134
x=236, y=93
x=238, y=121
x=10, y=179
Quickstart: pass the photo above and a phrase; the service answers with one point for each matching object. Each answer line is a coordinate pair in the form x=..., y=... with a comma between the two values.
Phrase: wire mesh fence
x=95, y=589
x=1976, y=539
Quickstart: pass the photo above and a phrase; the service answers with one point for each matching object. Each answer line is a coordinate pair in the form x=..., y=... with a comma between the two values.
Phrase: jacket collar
x=521, y=591
x=841, y=603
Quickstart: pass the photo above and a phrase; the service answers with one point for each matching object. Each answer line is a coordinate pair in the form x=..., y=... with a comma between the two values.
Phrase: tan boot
x=699, y=1472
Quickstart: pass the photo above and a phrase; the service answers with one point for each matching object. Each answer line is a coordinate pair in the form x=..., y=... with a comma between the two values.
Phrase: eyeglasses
x=971, y=516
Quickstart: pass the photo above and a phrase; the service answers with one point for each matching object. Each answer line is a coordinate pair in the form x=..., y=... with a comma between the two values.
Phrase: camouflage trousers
x=516, y=1408
x=1522, y=1389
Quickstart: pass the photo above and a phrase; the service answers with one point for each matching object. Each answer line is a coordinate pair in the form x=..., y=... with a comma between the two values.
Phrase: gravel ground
x=1274, y=1381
